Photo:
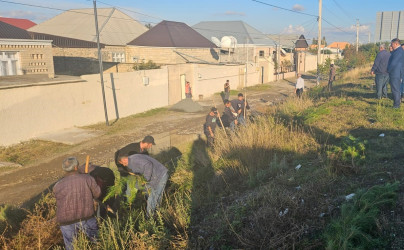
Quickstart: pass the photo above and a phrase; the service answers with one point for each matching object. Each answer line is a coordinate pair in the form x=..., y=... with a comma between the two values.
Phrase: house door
x=182, y=86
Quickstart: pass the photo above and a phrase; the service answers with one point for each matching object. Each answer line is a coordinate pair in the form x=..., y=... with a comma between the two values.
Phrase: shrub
x=144, y=66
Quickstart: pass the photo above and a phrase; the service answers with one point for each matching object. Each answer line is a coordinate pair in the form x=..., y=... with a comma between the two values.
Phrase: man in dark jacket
x=75, y=195
x=229, y=116
x=379, y=69
x=155, y=173
x=331, y=77
x=240, y=105
x=131, y=149
x=209, y=126
x=395, y=69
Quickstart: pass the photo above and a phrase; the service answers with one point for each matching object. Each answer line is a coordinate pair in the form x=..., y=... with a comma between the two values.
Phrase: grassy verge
x=31, y=151
x=127, y=122
x=278, y=183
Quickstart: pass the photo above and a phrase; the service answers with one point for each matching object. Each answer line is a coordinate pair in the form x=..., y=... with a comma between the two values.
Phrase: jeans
x=299, y=92
x=330, y=85
x=69, y=232
x=232, y=125
x=241, y=120
x=155, y=195
x=226, y=95
x=395, y=83
x=381, y=85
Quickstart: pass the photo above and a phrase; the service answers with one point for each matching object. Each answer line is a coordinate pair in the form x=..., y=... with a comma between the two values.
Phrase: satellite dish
x=216, y=41
x=229, y=42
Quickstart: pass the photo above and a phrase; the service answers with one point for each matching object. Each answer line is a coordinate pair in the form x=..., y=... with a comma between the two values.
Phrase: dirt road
x=20, y=186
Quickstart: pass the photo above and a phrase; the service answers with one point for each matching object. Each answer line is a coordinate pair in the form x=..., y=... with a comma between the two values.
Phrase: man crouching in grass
x=75, y=195
x=155, y=173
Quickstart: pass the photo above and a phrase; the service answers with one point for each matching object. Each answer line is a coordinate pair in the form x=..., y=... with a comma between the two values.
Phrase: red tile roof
x=17, y=22
x=338, y=45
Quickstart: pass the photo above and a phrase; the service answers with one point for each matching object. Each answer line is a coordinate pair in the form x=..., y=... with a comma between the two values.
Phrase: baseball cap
x=214, y=110
x=149, y=139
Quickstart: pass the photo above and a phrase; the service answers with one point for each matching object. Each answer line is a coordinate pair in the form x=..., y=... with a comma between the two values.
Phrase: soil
x=24, y=185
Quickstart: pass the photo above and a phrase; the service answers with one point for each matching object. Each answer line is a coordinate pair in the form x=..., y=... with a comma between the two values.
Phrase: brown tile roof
x=17, y=22
x=338, y=45
x=172, y=34
x=301, y=43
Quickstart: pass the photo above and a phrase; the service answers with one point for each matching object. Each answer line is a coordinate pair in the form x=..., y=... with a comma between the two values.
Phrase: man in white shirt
x=299, y=85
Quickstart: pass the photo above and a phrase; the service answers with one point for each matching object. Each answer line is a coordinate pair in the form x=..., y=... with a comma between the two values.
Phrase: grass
x=28, y=152
x=258, y=87
x=247, y=193
x=126, y=123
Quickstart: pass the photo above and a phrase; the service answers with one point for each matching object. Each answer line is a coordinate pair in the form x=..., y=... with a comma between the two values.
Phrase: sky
x=339, y=15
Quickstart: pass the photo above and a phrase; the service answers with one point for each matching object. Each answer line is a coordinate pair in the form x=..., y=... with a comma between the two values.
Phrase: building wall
x=162, y=55
x=44, y=108
x=33, y=57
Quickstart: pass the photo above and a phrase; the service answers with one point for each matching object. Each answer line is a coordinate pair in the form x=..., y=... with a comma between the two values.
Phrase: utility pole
x=357, y=35
x=320, y=7
x=100, y=62
x=369, y=36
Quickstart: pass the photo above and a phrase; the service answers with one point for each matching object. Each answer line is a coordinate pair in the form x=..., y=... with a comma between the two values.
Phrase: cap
x=149, y=139
x=214, y=110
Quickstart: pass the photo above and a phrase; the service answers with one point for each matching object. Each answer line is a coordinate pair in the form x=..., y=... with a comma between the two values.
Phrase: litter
x=349, y=196
x=321, y=215
x=283, y=213
x=298, y=187
x=298, y=167
x=381, y=135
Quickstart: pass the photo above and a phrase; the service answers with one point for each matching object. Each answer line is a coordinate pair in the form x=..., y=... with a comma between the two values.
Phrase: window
x=262, y=53
x=8, y=63
x=118, y=57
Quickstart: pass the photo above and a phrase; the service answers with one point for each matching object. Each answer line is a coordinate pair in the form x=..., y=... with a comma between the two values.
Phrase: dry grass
x=355, y=73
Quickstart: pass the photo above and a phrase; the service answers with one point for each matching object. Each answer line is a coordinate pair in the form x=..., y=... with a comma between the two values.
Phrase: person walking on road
x=227, y=90
x=75, y=194
x=379, y=69
x=395, y=69
x=210, y=125
x=331, y=77
x=299, y=85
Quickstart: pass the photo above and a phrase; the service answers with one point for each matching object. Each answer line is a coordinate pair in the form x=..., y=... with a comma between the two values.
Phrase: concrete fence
x=29, y=111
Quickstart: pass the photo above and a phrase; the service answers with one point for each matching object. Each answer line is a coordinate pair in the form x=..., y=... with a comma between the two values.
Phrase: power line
x=343, y=10
x=129, y=10
x=282, y=8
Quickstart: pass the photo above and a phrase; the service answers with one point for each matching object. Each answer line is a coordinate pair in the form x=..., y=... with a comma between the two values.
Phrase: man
x=155, y=173
x=299, y=85
x=395, y=69
x=133, y=148
x=210, y=125
x=227, y=90
x=188, y=92
x=75, y=195
x=331, y=78
x=402, y=77
x=229, y=117
x=240, y=106
x=380, y=69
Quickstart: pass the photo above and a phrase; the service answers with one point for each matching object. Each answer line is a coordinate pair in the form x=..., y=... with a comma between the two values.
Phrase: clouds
x=298, y=29
x=298, y=7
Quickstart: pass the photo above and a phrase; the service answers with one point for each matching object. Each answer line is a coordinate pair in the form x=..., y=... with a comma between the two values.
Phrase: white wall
x=27, y=112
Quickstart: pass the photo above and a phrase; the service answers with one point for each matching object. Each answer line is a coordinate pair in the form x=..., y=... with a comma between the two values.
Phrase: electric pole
x=100, y=62
x=320, y=6
x=357, y=35
x=369, y=36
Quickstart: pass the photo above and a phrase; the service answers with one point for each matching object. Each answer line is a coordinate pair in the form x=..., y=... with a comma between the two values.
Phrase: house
x=17, y=22
x=115, y=27
x=240, y=42
x=286, y=41
x=337, y=47
x=77, y=26
x=21, y=55
x=171, y=43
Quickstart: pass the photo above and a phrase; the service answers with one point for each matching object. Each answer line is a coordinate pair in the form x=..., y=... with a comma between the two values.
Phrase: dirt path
x=24, y=184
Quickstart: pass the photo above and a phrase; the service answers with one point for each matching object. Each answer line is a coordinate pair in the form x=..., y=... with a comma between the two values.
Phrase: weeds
x=357, y=227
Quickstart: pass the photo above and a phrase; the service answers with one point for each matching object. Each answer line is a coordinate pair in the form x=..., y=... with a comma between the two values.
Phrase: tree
x=323, y=41
x=314, y=41
x=148, y=25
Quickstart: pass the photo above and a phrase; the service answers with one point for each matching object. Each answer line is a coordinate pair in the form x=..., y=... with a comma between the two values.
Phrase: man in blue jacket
x=379, y=69
x=395, y=69
x=155, y=173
